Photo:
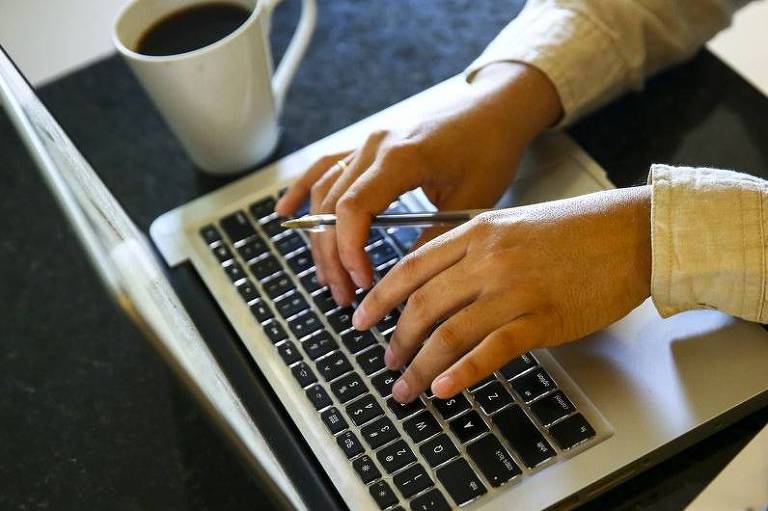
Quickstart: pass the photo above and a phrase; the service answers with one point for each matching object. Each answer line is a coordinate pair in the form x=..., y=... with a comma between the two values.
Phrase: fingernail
x=443, y=386
x=389, y=359
x=359, y=280
x=400, y=391
x=358, y=318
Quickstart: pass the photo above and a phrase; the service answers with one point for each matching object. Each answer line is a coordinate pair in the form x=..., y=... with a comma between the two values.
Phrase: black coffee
x=192, y=28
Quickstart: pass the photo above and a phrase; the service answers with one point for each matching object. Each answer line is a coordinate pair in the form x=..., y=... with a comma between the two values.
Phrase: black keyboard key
x=552, y=407
x=482, y=383
x=364, y=410
x=460, y=480
x=379, y=432
x=303, y=210
x=319, y=397
x=382, y=494
x=333, y=366
x=289, y=243
x=252, y=248
x=468, y=427
x=333, y=420
x=341, y=319
x=222, y=253
x=518, y=366
x=303, y=374
x=289, y=353
x=395, y=456
x=433, y=500
x=373, y=236
x=261, y=311
x=237, y=226
x=310, y=282
x=348, y=387
x=248, y=291
x=451, y=407
x=438, y=450
x=412, y=480
x=493, y=397
x=356, y=341
x=291, y=305
x=305, y=324
x=422, y=426
x=493, y=460
x=382, y=270
x=210, y=234
x=324, y=301
x=275, y=331
x=533, y=384
x=300, y=262
x=381, y=254
x=571, y=431
x=389, y=321
x=523, y=436
x=349, y=444
x=264, y=267
x=262, y=208
x=273, y=227
x=319, y=344
x=384, y=381
x=371, y=360
x=404, y=237
x=234, y=271
x=366, y=469
x=403, y=411
x=278, y=285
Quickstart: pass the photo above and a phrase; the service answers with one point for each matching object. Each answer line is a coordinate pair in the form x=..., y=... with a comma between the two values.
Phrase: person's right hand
x=463, y=158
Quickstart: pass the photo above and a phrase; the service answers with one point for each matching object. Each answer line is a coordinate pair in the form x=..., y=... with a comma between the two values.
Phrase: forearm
x=594, y=50
x=709, y=241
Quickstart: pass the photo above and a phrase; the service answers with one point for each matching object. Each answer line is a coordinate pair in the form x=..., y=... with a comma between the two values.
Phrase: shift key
x=523, y=436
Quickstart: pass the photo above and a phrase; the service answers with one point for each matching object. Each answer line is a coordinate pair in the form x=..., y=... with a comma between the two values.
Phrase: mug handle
x=295, y=51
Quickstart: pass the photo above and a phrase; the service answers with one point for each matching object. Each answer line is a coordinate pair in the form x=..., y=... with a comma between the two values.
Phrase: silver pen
x=316, y=223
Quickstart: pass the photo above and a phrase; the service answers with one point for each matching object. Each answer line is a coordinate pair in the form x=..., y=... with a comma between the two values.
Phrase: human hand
x=463, y=158
x=510, y=281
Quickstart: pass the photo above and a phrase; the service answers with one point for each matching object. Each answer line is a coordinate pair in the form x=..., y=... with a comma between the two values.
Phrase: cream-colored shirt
x=709, y=227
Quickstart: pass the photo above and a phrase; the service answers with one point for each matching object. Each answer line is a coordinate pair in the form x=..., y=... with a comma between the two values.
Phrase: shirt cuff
x=708, y=235
x=563, y=44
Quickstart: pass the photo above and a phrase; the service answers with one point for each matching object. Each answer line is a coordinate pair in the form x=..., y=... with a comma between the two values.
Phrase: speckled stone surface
x=90, y=418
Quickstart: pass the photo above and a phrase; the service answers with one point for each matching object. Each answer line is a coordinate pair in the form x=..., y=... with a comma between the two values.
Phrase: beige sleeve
x=709, y=241
x=593, y=50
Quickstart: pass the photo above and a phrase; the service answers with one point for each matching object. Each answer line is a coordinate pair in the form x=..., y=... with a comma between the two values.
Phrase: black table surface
x=90, y=417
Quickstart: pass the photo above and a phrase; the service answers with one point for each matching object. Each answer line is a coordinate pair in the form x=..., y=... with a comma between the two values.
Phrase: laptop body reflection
x=551, y=429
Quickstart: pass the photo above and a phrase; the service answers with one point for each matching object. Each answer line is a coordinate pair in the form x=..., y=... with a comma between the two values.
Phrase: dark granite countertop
x=89, y=415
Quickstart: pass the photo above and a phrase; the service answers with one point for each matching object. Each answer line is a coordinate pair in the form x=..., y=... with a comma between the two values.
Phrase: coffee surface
x=192, y=28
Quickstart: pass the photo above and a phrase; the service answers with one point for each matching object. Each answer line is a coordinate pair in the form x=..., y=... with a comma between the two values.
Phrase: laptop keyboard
x=432, y=454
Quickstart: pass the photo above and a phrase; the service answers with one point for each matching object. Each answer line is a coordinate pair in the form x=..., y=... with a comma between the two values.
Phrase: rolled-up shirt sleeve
x=593, y=50
x=709, y=241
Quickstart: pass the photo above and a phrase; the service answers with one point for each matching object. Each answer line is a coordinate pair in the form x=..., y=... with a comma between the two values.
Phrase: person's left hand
x=510, y=281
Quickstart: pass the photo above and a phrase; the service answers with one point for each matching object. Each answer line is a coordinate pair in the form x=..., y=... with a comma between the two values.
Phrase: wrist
x=518, y=95
x=639, y=202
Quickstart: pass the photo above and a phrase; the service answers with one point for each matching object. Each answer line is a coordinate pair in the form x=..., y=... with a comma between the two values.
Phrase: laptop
x=549, y=430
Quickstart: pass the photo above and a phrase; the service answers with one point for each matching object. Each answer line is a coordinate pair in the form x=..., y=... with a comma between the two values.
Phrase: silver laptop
x=551, y=429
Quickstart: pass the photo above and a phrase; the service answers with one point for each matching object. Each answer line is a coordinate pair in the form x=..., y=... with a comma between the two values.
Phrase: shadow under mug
x=221, y=101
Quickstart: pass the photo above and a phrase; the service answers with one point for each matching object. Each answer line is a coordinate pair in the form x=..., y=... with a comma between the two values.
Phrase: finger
x=449, y=342
x=394, y=172
x=444, y=294
x=409, y=274
x=512, y=340
x=299, y=191
x=357, y=166
x=319, y=190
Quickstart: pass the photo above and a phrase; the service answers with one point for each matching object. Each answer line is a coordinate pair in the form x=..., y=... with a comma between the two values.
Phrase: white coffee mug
x=221, y=101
